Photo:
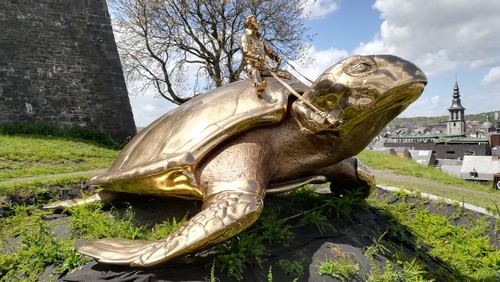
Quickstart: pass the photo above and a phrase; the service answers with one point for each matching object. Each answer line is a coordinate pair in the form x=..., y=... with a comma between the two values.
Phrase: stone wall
x=59, y=64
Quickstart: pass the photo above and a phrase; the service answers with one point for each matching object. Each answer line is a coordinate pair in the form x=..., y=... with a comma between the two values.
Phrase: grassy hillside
x=23, y=156
x=423, y=121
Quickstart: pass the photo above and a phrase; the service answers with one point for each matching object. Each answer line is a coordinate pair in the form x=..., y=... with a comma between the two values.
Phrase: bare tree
x=161, y=40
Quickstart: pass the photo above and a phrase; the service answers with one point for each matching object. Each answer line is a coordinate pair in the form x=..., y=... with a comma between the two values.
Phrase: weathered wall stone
x=59, y=64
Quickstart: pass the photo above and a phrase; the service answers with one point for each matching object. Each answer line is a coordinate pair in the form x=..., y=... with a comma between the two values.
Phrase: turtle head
x=359, y=89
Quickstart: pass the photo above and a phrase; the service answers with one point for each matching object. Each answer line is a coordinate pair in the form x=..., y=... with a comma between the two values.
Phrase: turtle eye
x=359, y=66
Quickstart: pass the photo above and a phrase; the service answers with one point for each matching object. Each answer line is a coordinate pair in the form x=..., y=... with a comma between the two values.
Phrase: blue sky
x=448, y=39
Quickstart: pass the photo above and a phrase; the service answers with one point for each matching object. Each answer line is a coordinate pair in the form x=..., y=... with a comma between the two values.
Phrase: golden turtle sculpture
x=229, y=148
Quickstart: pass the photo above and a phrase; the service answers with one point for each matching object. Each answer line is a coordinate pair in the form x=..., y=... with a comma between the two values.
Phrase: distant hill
x=424, y=121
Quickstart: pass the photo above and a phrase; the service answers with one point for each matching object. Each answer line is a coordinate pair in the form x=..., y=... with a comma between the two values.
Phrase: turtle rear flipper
x=230, y=208
x=350, y=176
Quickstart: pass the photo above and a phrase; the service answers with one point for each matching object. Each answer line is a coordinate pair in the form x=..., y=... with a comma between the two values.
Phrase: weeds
x=342, y=207
x=271, y=228
x=36, y=249
x=291, y=268
x=376, y=247
x=465, y=249
x=411, y=271
x=90, y=222
x=401, y=195
x=342, y=268
x=318, y=220
x=238, y=251
x=270, y=274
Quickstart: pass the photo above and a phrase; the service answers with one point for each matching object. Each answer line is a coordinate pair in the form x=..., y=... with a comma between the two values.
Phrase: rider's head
x=251, y=23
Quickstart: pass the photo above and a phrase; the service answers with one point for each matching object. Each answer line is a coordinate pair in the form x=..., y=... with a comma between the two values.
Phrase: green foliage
x=233, y=254
x=163, y=229
x=318, y=220
x=270, y=274
x=212, y=273
x=411, y=271
x=401, y=195
x=376, y=247
x=90, y=222
x=342, y=207
x=291, y=268
x=22, y=156
x=248, y=247
x=37, y=248
x=342, y=268
x=49, y=130
x=271, y=228
x=303, y=196
x=465, y=248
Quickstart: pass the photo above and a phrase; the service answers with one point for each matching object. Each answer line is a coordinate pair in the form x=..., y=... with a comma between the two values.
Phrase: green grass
x=448, y=186
x=24, y=156
x=42, y=129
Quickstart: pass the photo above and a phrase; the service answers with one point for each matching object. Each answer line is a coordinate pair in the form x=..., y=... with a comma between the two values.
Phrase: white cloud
x=322, y=59
x=147, y=108
x=492, y=78
x=317, y=9
x=426, y=106
x=438, y=35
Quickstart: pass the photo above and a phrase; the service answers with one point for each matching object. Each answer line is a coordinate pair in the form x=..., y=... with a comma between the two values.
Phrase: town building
x=452, y=142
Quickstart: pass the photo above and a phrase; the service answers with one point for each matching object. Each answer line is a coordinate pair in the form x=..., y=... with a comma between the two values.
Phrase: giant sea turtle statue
x=229, y=148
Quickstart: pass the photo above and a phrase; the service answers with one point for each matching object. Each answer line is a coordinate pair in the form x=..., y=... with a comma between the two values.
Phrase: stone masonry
x=59, y=64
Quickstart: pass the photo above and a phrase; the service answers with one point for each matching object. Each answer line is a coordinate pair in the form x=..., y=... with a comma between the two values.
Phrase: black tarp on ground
x=354, y=233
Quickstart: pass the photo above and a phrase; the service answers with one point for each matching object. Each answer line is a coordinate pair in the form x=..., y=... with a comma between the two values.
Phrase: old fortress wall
x=59, y=64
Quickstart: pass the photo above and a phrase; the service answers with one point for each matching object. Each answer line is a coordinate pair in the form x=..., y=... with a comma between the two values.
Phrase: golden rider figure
x=255, y=50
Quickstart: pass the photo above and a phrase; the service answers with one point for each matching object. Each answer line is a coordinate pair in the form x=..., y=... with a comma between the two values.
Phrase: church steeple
x=456, y=103
x=456, y=120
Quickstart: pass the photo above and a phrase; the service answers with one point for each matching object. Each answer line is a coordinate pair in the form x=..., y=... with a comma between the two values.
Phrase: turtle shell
x=162, y=157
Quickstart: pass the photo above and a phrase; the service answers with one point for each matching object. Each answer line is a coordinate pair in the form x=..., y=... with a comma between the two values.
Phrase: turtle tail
x=229, y=208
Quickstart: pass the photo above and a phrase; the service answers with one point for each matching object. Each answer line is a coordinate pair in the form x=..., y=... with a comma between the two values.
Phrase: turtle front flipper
x=229, y=208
